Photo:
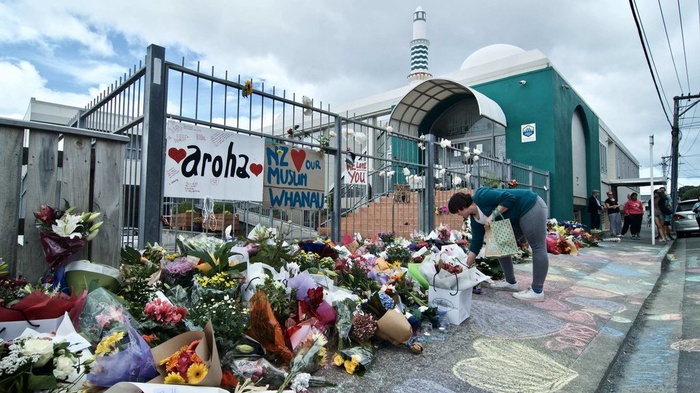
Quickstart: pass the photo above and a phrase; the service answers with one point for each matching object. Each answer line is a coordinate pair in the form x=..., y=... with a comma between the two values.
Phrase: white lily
x=445, y=143
x=66, y=226
x=406, y=171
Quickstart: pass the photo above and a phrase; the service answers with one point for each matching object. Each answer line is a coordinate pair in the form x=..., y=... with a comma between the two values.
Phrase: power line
x=633, y=7
x=685, y=52
x=670, y=49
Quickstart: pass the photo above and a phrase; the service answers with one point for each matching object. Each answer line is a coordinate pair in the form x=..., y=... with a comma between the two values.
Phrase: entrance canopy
x=637, y=182
x=413, y=107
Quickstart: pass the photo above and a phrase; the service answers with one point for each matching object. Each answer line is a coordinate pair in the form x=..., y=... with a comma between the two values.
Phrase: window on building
x=603, y=152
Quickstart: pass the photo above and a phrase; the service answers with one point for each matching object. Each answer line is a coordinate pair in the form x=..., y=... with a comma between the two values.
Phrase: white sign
x=203, y=162
x=356, y=172
x=528, y=133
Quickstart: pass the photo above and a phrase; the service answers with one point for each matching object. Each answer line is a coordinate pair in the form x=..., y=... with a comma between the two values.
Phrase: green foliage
x=398, y=253
x=220, y=207
x=282, y=304
x=275, y=253
x=135, y=288
x=218, y=260
x=490, y=180
x=689, y=192
x=183, y=207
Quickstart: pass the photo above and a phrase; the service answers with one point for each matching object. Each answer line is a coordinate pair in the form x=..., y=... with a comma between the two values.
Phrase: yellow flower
x=196, y=373
x=338, y=360
x=247, y=88
x=174, y=378
x=109, y=344
x=322, y=356
x=350, y=366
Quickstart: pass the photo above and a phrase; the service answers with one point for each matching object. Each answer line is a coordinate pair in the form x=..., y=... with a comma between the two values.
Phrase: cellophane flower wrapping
x=265, y=329
x=40, y=305
x=57, y=249
x=134, y=363
x=102, y=313
x=356, y=360
x=262, y=372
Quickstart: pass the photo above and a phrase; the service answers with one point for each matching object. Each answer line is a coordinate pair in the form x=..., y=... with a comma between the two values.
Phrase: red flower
x=315, y=296
x=228, y=380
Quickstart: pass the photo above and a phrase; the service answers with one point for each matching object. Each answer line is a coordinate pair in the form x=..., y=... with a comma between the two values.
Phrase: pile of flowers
x=257, y=310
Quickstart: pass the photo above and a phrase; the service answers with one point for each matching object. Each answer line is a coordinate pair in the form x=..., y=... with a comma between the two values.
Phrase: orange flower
x=228, y=380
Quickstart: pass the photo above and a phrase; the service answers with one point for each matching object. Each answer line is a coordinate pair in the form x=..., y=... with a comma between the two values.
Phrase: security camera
x=522, y=82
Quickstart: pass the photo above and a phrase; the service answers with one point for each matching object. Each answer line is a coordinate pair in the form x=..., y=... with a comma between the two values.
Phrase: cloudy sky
x=339, y=51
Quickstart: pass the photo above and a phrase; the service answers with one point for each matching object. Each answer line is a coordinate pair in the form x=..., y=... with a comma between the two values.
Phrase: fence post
x=428, y=206
x=153, y=150
x=337, y=173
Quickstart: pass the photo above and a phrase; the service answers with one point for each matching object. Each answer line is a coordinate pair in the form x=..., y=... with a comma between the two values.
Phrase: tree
x=689, y=192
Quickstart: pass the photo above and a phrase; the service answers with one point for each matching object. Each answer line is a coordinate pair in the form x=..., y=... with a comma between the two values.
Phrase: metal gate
x=142, y=101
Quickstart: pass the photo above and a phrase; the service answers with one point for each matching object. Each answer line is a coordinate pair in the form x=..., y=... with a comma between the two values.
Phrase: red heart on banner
x=298, y=157
x=177, y=154
x=256, y=169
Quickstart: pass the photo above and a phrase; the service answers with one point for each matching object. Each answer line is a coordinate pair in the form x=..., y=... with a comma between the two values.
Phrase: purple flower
x=179, y=267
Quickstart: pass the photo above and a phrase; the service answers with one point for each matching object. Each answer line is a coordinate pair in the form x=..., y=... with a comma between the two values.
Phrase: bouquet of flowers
x=355, y=360
x=30, y=364
x=309, y=357
x=64, y=232
x=190, y=358
x=163, y=321
x=122, y=356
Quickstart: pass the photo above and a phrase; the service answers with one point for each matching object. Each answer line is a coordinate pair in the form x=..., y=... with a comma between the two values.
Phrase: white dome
x=490, y=53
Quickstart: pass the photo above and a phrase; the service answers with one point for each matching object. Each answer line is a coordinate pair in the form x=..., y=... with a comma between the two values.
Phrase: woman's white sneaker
x=529, y=294
x=504, y=285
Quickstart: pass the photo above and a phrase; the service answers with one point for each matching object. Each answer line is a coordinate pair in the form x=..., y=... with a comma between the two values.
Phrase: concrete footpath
x=565, y=344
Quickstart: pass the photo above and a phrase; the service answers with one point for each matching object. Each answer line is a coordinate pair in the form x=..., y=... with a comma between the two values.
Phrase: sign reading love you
x=294, y=178
x=204, y=162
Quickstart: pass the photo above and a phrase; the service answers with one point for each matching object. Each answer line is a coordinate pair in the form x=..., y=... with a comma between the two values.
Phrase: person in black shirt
x=613, y=208
x=594, y=209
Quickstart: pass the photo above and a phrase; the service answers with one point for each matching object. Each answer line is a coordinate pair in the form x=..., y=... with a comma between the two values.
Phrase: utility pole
x=677, y=113
x=664, y=166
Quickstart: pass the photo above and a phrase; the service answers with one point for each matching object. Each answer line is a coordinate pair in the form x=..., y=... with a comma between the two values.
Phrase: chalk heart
x=298, y=157
x=519, y=369
x=256, y=169
x=177, y=154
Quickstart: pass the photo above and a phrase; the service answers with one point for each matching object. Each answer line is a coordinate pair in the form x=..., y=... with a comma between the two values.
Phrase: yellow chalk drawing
x=689, y=345
x=509, y=367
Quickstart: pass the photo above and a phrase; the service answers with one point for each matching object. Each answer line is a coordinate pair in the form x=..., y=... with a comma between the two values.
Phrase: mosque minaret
x=419, y=49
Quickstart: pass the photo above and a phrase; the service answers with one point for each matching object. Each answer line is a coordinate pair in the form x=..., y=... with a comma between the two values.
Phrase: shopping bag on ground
x=500, y=239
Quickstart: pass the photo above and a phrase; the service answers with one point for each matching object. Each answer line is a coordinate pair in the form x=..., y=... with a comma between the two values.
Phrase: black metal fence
x=142, y=101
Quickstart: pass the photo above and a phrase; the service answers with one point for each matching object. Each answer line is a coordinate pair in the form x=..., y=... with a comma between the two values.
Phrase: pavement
x=567, y=343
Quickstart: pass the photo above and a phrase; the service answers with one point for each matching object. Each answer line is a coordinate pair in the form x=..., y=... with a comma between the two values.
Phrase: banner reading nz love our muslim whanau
x=294, y=178
x=204, y=162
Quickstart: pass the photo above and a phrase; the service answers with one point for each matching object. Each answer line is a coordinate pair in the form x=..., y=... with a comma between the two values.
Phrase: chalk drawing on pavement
x=597, y=305
x=593, y=292
x=689, y=345
x=610, y=331
x=509, y=367
x=692, y=278
x=420, y=386
x=574, y=337
x=617, y=318
x=500, y=320
x=665, y=317
x=551, y=305
x=576, y=316
x=622, y=271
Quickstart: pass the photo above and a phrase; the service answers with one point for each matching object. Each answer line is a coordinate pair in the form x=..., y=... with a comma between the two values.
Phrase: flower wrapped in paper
x=448, y=270
x=190, y=358
x=41, y=310
x=355, y=360
x=122, y=356
x=63, y=233
x=265, y=329
x=262, y=372
x=309, y=357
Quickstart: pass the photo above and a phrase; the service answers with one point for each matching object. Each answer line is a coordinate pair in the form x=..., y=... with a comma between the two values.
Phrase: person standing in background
x=696, y=210
x=613, y=208
x=625, y=218
x=634, y=212
x=594, y=209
